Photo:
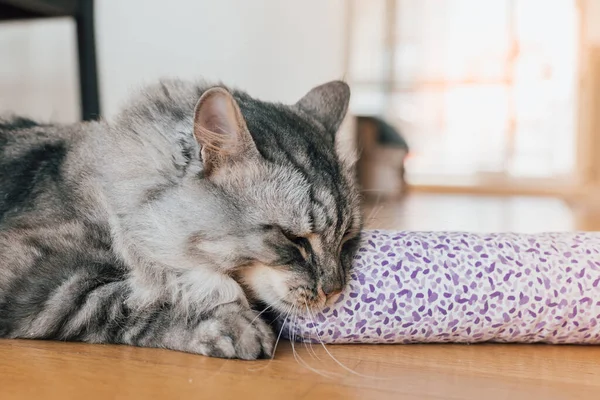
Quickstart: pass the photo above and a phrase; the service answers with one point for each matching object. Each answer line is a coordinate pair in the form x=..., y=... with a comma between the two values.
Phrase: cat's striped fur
x=121, y=233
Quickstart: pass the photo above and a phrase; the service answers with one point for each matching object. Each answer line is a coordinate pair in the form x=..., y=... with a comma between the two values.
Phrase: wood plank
x=55, y=370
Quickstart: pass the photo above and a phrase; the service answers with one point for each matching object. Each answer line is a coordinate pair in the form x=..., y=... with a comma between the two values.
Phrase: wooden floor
x=50, y=370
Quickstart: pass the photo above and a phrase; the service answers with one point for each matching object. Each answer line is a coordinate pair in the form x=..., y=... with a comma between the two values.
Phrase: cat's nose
x=331, y=293
x=332, y=297
x=332, y=290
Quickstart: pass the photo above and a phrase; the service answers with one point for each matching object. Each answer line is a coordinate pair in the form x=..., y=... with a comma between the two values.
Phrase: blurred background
x=469, y=114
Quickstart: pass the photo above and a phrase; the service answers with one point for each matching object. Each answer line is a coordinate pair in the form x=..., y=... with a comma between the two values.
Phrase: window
x=479, y=88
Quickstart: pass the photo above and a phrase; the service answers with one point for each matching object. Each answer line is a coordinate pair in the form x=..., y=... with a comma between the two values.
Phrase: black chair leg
x=88, y=74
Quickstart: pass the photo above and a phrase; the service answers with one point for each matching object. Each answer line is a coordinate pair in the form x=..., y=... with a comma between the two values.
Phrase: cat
x=170, y=226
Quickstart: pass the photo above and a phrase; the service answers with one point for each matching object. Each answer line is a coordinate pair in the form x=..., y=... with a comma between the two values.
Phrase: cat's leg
x=209, y=315
x=95, y=310
x=229, y=330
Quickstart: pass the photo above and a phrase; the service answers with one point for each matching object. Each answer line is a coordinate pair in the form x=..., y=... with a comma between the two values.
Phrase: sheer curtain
x=483, y=90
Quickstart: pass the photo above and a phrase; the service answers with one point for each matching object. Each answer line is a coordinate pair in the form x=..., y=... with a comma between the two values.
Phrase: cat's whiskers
x=373, y=213
x=314, y=322
x=301, y=361
x=255, y=318
x=342, y=365
x=376, y=208
x=287, y=314
x=292, y=314
x=311, y=351
x=310, y=344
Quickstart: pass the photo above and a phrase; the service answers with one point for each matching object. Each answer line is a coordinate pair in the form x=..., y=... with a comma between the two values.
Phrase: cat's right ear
x=221, y=131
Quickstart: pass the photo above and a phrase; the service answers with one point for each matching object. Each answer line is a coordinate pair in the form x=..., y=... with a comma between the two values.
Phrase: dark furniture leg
x=88, y=75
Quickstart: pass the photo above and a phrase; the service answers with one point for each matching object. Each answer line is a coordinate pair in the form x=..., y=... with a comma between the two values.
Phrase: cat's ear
x=221, y=130
x=327, y=103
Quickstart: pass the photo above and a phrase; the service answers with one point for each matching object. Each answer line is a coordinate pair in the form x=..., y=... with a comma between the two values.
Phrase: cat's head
x=263, y=192
x=284, y=191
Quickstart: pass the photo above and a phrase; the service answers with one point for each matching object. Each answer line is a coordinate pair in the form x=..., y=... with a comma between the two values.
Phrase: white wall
x=38, y=74
x=275, y=49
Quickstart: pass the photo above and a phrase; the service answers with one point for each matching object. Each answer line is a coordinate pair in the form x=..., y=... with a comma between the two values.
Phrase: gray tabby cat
x=167, y=227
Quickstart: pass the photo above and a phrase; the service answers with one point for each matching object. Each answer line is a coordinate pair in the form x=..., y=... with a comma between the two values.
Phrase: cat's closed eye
x=288, y=234
x=295, y=239
x=300, y=243
x=349, y=242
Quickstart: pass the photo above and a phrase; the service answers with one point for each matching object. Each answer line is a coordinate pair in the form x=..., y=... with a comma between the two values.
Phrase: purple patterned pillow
x=417, y=287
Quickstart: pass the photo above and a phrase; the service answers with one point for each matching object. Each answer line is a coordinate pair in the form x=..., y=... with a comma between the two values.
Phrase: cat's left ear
x=221, y=131
x=327, y=103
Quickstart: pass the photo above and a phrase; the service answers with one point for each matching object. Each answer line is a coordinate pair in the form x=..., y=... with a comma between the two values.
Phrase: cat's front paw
x=234, y=331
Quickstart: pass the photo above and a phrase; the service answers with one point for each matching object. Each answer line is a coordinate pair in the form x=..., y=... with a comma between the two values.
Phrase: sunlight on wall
x=478, y=87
